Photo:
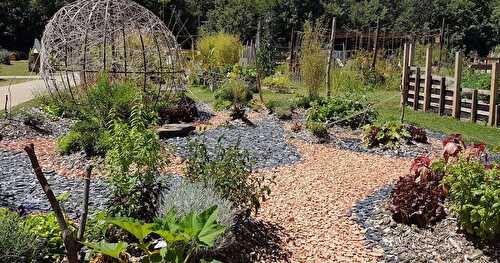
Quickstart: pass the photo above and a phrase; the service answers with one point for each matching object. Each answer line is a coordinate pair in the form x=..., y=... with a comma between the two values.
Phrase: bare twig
x=67, y=236
x=83, y=218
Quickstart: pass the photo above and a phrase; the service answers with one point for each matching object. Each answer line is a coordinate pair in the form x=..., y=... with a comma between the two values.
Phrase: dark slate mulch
x=442, y=242
x=265, y=142
x=19, y=187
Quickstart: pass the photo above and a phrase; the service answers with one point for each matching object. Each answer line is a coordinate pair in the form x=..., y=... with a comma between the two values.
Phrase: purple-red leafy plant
x=417, y=134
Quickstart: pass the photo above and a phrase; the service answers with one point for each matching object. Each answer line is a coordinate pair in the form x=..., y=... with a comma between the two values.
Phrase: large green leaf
x=210, y=229
x=110, y=249
x=137, y=229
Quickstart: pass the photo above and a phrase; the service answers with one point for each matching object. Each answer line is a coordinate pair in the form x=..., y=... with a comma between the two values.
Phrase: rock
x=169, y=131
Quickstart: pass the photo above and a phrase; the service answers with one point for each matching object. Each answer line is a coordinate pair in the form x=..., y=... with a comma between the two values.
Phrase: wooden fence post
x=416, y=90
x=473, y=108
x=497, y=122
x=428, y=79
x=457, y=89
x=412, y=54
x=494, y=92
x=404, y=82
x=442, y=96
x=330, y=58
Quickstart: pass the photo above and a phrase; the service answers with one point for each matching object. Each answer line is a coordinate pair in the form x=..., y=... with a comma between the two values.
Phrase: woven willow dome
x=118, y=37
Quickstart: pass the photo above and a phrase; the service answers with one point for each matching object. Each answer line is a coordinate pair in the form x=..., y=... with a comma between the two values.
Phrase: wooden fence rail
x=445, y=96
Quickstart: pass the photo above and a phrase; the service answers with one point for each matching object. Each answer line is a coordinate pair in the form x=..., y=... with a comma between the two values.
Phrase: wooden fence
x=444, y=95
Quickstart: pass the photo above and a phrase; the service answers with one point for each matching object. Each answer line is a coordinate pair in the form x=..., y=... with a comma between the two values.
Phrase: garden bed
x=442, y=242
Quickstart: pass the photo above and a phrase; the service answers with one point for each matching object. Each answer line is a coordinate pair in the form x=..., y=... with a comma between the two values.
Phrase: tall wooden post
x=442, y=96
x=428, y=79
x=495, y=71
x=404, y=82
x=457, y=89
x=416, y=90
x=412, y=54
x=330, y=57
x=473, y=108
x=441, y=43
x=292, y=50
x=375, y=45
x=259, y=67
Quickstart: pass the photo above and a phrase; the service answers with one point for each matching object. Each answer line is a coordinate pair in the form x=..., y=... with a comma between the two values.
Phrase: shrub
x=476, y=80
x=104, y=96
x=235, y=91
x=475, y=196
x=318, y=129
x=69, y=143
x=17, y=244
x=4, y=57
x=390, y=134
x=312, y=59
x=418, y=198
x=229, y=170
x=183, y=237
x=45, y=227
x=186, y=197
x=343, y=111
x=85, y=136
x=221, y=50
x=279, y=83
x=346, y=81
x=181, y=109
x=417, y=134
x=132, y=163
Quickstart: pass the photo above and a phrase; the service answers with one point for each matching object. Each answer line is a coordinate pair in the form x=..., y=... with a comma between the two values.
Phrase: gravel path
x=311, y=200
x=402, y=243
x=19, y=187
x=265, y=142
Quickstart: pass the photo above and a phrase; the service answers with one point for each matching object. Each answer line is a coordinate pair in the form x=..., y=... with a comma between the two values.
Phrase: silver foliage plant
x=185, y=196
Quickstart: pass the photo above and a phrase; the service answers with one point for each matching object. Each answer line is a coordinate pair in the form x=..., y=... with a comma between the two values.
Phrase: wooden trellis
x=118, y=37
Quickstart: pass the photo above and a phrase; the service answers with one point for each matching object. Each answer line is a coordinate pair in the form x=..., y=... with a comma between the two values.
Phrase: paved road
x=21, y=92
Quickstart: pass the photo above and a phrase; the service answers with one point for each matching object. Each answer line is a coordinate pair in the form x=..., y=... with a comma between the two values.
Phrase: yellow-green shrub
x=219, y=50
x=312, y=60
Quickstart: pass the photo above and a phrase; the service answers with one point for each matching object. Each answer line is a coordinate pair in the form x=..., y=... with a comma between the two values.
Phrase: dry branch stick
x=67, y=236
x=83, y=218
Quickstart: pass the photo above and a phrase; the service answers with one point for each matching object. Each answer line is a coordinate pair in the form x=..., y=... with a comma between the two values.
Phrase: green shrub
x=476, y=80
x=229, y=170
x=392, y=134
x=85, y=136
x=186, y=197
x=105, y=96
x=318, y=129
x=234, y=91
x=184, y=236
x=343, y=111
x=45, y=226
x=312, y=60
x=4, y=57
x=279, y=83
x=475, y=196
x=389, y=134
x=283, y=113
x=69, y=143
x=346, y=81
x=221, y=50
x=132, y=162
x=17, y=244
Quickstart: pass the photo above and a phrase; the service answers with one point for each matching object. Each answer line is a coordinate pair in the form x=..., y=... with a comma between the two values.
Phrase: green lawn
x=387, y=104
x=18, y=68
